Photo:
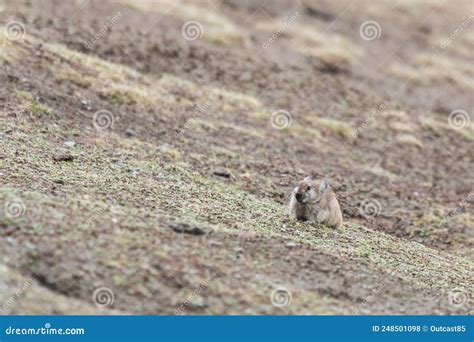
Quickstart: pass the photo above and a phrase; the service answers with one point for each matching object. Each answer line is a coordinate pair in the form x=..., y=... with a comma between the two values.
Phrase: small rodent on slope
x=315, y=201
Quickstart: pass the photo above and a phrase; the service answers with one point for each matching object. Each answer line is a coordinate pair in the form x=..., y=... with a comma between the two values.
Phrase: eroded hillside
x=148, y=150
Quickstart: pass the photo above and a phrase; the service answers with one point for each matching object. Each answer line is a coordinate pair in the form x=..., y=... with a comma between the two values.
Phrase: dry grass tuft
x=427, y=69
x=407, y=139
x=395, y=114
x=9, y=51
x=335, y=127
x=332, y=50
x=217, y=29
x=443, y=128
x=401, y=127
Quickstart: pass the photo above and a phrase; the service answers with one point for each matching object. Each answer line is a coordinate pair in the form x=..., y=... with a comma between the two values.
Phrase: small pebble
x=64, y=158
x=133, y=171
x=130, y=132
x=221, y=173
x=187, y=228
x=69, y=143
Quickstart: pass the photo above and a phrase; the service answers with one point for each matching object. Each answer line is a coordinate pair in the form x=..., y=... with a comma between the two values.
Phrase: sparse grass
x=401, y=127
x=431, y=123
x=331, y=49
x=37, y=108
x=460, y=46
x=217, y=28
x=126, y=95
x=396, y=114
x=36, y=299
x=9, y=51
x=227, y=207
x=443, y=128
x=231, y=209
x=381, y=172
x=117, y=72
x=169, y=186
x=427, y=69
x=311, y=134
x=233, y=99
x=214, y=125
x=440, y=68
x=24, y=95
x=334, y=126
x=466, y=132
x=73, y=76
x=408, y=139
x=124, y=86
x=117, y=83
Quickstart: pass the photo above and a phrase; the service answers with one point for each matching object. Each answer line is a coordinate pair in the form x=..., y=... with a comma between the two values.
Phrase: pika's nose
x=299, y=197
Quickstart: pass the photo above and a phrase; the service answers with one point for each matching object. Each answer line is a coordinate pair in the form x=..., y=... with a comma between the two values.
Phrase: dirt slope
x=120, y=129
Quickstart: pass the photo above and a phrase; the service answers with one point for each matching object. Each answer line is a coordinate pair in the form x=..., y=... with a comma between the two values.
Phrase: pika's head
x=310, y=190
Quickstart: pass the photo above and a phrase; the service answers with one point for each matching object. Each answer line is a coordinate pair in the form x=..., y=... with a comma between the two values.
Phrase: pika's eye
x=308, y=188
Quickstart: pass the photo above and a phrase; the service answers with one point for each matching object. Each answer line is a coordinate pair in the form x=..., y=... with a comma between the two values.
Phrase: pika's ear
x=323, y=187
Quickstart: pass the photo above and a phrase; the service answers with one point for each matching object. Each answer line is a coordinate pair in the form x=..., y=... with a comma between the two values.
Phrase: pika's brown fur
x=315, y=201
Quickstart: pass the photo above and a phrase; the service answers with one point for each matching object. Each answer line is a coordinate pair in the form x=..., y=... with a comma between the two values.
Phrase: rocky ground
x=148, y=150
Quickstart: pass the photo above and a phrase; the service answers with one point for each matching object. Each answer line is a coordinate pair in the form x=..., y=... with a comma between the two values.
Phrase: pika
x=315, y=201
